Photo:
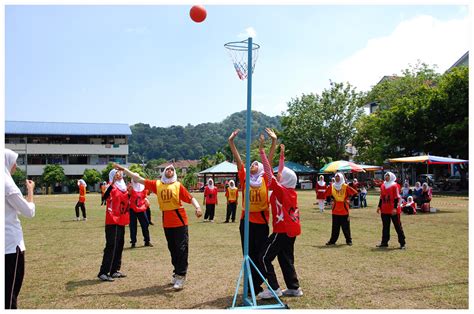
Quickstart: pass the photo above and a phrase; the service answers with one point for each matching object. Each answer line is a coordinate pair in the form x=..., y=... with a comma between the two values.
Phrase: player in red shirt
x=210, y=200
x=82, y=199
x=170, y=194
x=116, y=218
x=286, y=226
x=389, y=209
x=321, y=192
x=138, y=206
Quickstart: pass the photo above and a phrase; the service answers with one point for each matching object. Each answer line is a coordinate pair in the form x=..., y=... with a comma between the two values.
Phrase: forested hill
x=193, y=142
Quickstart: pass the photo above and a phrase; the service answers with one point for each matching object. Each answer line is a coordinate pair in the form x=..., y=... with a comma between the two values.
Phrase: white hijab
x=288, y=178
x=417, y=186
x=81, y=182
x=232, y=185
x=337, y=185
x=256, y=179
x=137, y=187
x=391, y=181
x=118, y=184
x=321, y=181
x=10, y=161
x=409, y=201
x=166, y=180
x=210, y=184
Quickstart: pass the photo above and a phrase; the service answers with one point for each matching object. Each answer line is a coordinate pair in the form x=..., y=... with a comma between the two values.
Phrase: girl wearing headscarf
x=170, y=193
x=15, y=205
x=138, y=206
x=286, y=226
x=417, y=193
x=425, y=198
x=341, y=193
x=389, y=209
x=409, y=207
x=82, y=199
x=258, y=203
x=232, y=195
x=116, y=218
x=406, y=191
x=321, y=192
x=210, y=200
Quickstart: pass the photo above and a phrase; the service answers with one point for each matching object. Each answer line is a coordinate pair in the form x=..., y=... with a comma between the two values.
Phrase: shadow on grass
x=328, y=247
x=72, y=285
x=166, y=290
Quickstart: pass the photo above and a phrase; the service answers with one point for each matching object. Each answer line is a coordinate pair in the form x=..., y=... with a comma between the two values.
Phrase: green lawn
x=63, y=258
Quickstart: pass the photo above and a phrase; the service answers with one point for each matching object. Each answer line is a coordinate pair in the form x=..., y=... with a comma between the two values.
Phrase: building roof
x=464, y=60
x=222, y=168
x=179, y=164
x=297, y=168
x=65, y=128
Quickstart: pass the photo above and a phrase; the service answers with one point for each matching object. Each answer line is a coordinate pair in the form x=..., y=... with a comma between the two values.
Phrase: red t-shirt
x=82, y=194
x=171, y=218
x=388, y=197
x=210, y=195
x=285, y=213
x=116, y=212
x=137, y=200
x=321, y=191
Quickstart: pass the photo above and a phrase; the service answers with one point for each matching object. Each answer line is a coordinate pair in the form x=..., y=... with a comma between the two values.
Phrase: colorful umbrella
x=429, y=159
x=341, y=166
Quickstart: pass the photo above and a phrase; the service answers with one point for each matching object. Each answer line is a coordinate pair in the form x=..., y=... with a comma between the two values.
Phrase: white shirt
x=16, y=204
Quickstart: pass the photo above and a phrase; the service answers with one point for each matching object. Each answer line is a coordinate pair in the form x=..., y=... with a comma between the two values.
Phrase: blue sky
x=152, y=64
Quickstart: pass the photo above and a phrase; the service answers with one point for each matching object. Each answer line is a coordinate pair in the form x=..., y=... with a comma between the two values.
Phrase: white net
x=238, y=53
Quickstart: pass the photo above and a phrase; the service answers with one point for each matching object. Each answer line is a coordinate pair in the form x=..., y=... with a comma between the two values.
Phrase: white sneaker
x=77, y=219
x=293, y=292
x=179, y=282
x=267, y=294
x=85, y=219
x=173, y=279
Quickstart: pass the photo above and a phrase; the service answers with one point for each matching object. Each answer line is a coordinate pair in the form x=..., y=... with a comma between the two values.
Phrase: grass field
x=63, y=258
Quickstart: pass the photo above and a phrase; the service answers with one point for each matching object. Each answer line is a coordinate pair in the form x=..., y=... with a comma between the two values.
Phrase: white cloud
x=249, y=32
x=422, y=38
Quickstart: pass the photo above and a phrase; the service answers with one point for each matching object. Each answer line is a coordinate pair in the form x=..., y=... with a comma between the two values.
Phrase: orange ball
x=198, y=13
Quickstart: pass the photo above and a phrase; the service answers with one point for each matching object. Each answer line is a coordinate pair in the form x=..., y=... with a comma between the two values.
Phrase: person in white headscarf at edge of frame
x=390, y=210
x=116, y=218
x=15, y=205
x=81, y=203
x=341, y=193
x=210, y=200
x=258, y=203
x=232, y=196
x=170, y=193
x=286, y=227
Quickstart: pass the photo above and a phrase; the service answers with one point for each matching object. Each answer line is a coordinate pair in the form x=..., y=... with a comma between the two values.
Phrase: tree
x=53, y=174
x=190, y=179
x=138, y=169
x=204, y=163
x=219, y=157
x=91, y=176
x=317, y=128
x=19, y=177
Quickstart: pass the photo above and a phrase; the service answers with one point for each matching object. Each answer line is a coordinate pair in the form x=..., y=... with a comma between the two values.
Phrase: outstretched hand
x=282, y=147
x=234, y=134
x=117, y=166
x=261, y=141
x=271, y=134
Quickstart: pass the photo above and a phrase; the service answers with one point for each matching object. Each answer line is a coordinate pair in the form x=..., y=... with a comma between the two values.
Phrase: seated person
x=405, y=191
x=409, y=207
x=417, y=192
x=425, y=199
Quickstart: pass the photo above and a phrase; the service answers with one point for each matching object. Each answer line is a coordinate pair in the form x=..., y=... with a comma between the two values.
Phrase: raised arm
x=234, y=150
x=281, y=163
x=135, y=176
x=273, y=136
x=266, y=164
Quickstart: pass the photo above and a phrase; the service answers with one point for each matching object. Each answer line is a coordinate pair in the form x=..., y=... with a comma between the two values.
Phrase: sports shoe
x=173, y=279
x=267, y=294
x=293, y=292
x=118, y=274
x=211, y=220
x=148, y=244
x=104, y=277
x=403, y=247
x=179, y=282
x=381, y=245
x=330, y=243
x=77, y=219
x=349, y=243
x=85, y=219
x=133, y=246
